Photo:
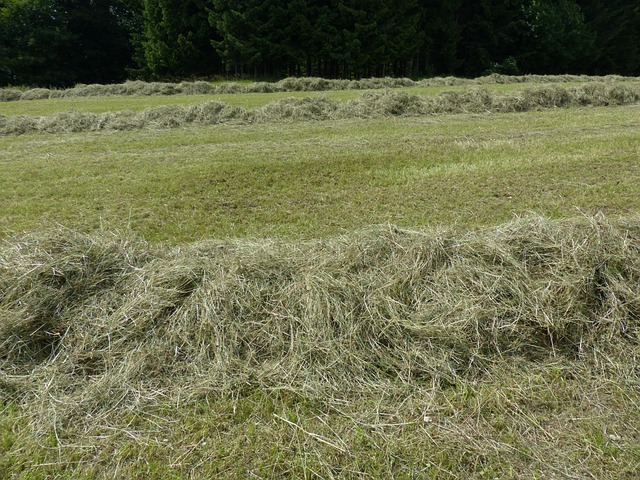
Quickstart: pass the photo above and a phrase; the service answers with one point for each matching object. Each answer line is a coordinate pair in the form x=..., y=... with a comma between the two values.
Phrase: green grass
x=471, y=431
x=248, y=100
x=317, y=179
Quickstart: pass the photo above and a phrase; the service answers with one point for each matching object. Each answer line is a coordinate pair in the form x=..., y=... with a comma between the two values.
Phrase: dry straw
x=97, y=325
x=309, y=84
x=370, y=105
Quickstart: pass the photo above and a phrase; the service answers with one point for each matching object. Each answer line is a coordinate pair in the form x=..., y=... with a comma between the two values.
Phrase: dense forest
x=65, y=42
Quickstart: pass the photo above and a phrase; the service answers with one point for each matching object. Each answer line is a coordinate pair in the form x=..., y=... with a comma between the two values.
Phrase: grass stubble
x=503, y=351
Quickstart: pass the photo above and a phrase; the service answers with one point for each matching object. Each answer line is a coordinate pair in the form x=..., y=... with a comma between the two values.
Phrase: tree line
x=65, y=42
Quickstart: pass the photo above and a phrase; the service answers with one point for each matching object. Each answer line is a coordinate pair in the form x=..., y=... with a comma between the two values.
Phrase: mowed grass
x=309, y=180
x=102, y=104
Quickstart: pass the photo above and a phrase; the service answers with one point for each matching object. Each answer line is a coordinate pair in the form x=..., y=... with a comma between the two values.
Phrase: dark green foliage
x=378, y=37
x=101, y=47
x=32, y=43
x=441, y=30
x=65, y=42
x=175, y=40
x=324, y=38
x=61, y=42
x=616, y=27
x=556, y=39
x=523, y=37
x=249, y=34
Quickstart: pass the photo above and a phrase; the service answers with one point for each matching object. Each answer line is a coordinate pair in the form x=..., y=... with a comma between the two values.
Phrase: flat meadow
x=424, y=281
x=314, y=179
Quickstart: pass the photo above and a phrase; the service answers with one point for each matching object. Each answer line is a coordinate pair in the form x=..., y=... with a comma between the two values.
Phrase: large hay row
x=96, y=325
x=369, y=105
x=309, y=84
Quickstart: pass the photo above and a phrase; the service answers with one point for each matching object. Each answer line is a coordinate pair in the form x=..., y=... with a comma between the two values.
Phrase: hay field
x=319, y=178
x=141, y=98
x=137, y=103
x=359, y=287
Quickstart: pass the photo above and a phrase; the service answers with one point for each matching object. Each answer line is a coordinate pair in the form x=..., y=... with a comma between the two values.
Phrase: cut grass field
x=245, y=320
x=314, y=179
x=102, y=104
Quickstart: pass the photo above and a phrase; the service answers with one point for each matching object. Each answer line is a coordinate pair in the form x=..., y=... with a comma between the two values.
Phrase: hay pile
x=96, y=325
x=369, y=105
x=309, y=84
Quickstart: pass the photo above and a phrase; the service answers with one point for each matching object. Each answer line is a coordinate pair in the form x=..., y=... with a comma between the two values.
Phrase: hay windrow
x=104, y=323
x=369, y=105
x=305, y=84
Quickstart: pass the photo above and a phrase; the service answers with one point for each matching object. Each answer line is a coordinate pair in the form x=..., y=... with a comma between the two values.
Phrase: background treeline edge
x=64, y=42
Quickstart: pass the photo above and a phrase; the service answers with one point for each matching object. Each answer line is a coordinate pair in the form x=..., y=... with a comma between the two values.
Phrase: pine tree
x=176, y=39
x=33, y=42
x=615, y=25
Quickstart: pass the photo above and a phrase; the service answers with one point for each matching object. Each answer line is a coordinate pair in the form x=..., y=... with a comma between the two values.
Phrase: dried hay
x=369, y=105
x=103, y=324
x=298, y=109
x=10, y=95
x=293, y=84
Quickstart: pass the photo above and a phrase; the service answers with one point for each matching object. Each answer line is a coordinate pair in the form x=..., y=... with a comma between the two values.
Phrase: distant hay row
x=369, y=105
x=308, y=84
x=101, y=322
